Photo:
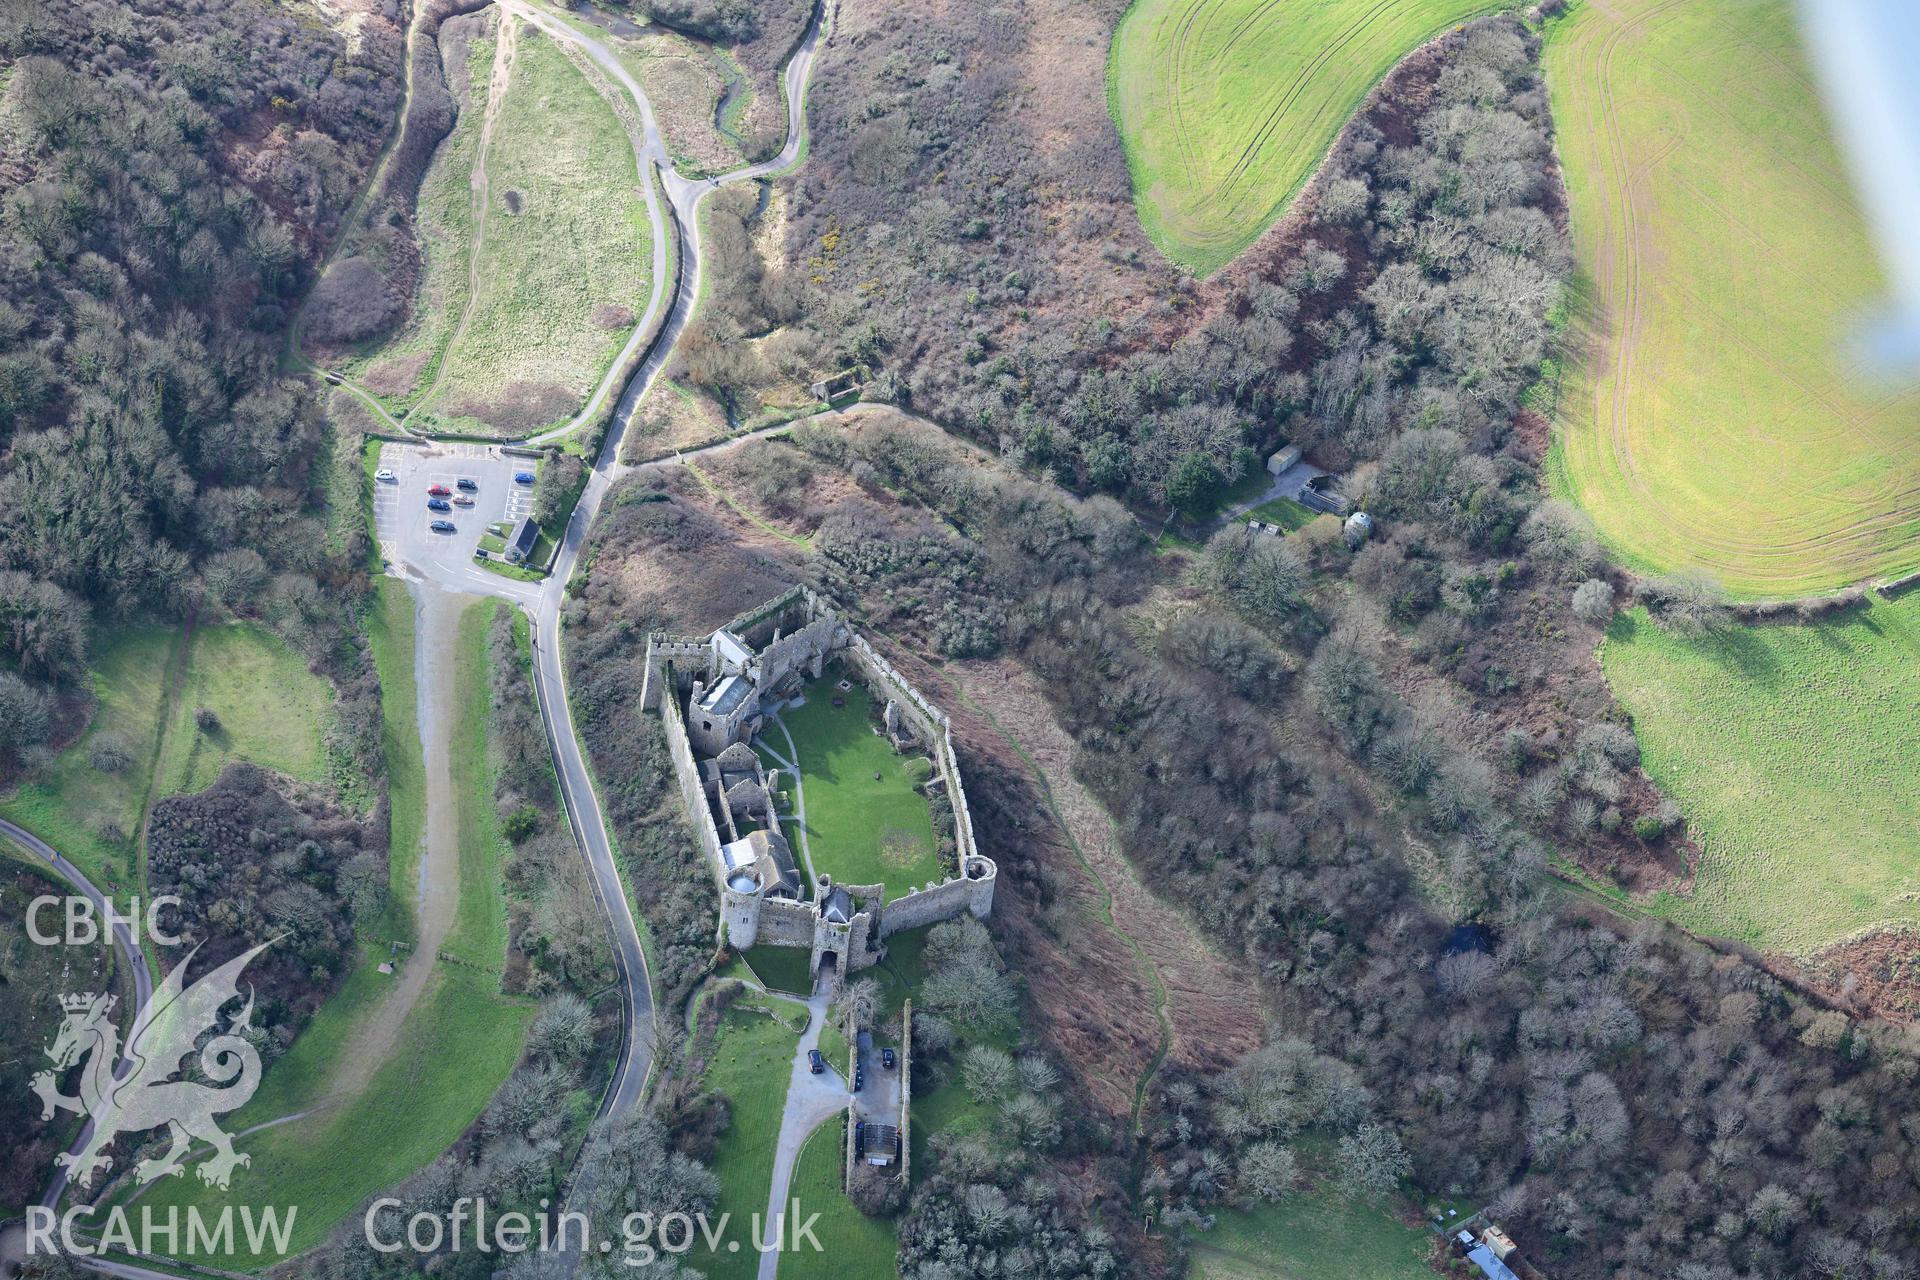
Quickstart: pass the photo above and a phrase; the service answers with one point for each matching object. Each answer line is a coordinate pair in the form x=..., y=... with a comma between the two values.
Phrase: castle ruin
x=713, y=695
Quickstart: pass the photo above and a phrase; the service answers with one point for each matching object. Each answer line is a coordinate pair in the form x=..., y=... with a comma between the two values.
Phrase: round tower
x=740, y=907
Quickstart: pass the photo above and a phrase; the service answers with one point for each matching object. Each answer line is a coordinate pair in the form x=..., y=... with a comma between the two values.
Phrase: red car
x=438, y=490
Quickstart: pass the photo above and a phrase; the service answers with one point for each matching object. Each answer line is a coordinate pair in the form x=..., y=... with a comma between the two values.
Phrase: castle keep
x=715, y=695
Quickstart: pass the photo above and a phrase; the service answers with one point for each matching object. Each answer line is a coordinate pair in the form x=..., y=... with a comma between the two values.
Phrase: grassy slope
x=849, y=814
x=444, y=214
x=1718, y=425
x=272, y=710
x=563, y=150
x=1791, y=750
x=390, y=633
x=1227, y=106
x=750, y=1063
x=69, y=801
x=852, y=1245
x=781, y=968
x=479, y=934
x=1315, y=1235
x=455, y=1047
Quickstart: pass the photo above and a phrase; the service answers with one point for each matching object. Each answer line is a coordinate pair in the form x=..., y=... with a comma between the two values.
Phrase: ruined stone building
x=713, y=694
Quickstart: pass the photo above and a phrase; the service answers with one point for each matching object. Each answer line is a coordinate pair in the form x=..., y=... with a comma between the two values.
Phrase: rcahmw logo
x=169, y=1232
x=143, y=1095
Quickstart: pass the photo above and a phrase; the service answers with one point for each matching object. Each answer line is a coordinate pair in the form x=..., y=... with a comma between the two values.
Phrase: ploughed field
x=1226, y=107
x=1718, y=423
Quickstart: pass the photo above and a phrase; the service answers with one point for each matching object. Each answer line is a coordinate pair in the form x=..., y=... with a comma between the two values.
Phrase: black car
x=859, y=1079
x=815, y=1063
x=887, y=1059
x=439, y=504
x=443, y=526
x=471, y=486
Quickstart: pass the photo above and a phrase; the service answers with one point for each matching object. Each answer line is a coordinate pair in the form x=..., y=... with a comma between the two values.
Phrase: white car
x=386, y=476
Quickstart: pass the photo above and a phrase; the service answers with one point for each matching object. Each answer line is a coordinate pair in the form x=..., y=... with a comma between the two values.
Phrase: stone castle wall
x=692, y=794
x=943, y=901
x=786, y=923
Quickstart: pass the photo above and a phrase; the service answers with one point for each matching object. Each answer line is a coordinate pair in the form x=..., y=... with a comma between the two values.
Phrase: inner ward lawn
x=751, y=1062
x=867, y=820
x=1227, y=106
x=1791, y=749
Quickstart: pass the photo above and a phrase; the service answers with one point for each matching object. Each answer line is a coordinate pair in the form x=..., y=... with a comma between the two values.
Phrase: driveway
x=1285, y=485
x=812, y=1100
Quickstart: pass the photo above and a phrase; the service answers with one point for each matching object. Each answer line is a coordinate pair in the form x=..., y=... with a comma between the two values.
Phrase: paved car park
x=404, y=524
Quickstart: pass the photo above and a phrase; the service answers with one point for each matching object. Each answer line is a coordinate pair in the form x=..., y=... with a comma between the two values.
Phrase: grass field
x=559, y=171
x=1285, y=512
x=1227, y=106
x=456, y=1045
x=1716, y=424
x=390, y=634
x=750, y=1063
x=852, y=1245
x=1315, y=1235
x=1791, y=749
x=90, y=816
x=861, y=829
x=272, y=710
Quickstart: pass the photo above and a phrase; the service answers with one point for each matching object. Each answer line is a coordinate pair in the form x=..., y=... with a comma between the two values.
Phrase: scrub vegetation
x=1719, y=423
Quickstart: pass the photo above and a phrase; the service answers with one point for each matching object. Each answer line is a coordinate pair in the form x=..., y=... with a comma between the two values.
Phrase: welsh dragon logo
x=142, y=1095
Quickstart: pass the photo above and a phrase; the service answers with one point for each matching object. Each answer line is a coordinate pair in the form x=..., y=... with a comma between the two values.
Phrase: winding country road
x=676, y=225
x=130, y=959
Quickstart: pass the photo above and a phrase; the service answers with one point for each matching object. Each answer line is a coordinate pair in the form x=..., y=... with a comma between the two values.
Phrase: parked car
x=443, y=526
x=859, y=1079
x=439, y=490
x=887, y=1059
x=439, y=504
x=479, y=553
x=468, y=483
x=385, y=476
x=523, y=477
x=462, y=500
x=815, y=1063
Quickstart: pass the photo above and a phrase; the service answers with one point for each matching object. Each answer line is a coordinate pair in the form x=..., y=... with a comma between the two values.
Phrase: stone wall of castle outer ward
x=786, y=923
x=944, y=901
x=691, y=793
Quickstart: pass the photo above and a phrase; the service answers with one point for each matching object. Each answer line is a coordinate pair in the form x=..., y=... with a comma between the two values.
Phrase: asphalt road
x=130, y=959
x=448, y=565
